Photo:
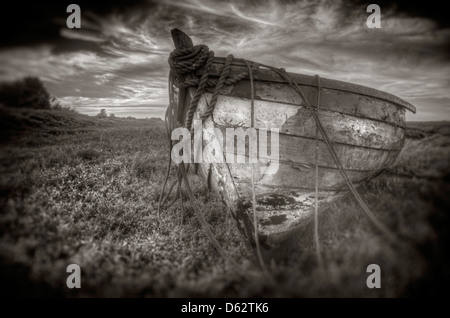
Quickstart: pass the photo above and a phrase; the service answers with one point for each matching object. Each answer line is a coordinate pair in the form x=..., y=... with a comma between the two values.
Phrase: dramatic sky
x=118, y=59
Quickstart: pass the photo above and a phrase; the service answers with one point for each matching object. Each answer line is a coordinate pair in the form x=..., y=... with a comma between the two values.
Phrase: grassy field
x=84, y=190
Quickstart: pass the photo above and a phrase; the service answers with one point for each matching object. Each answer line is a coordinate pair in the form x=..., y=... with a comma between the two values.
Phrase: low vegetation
x=84, y=190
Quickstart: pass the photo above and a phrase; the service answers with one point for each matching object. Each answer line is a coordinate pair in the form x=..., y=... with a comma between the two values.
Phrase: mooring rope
x=255, y=216
x=223, y=75
x=185, y=63
x=168, y=117
x=316, y=199
x=202, y=220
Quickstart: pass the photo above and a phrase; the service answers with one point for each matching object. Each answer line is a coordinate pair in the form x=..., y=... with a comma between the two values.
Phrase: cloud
x=125, y=64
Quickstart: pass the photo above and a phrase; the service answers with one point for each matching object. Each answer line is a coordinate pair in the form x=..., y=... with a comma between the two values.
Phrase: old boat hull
x=366, y=127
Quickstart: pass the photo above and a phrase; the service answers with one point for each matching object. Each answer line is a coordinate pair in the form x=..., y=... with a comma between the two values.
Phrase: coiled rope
x=184, y=63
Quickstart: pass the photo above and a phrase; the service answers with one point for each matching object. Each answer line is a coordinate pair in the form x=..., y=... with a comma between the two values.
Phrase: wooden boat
x=365, y=126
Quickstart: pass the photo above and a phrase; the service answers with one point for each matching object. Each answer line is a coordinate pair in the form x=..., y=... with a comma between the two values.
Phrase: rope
x=168, y=124
x=223, y=75
x=255, y=217
x=193, y=82
x=198, y=93
x=184, y=63
x=205, y=224
x=316, y=203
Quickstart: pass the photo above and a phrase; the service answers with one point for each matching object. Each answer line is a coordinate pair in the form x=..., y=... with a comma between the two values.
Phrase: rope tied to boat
x=316, y=194
x=190, y=67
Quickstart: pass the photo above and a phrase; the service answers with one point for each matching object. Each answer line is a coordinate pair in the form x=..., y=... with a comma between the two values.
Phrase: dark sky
x=118, y=59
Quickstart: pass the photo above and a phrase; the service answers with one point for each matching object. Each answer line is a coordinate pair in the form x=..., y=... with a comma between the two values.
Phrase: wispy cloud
x=126, y=64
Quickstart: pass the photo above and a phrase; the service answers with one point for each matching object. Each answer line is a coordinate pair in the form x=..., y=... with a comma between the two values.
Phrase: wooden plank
x=264, y=189
x=292, y=175
x=339, y=101
x=302, y=151
x=307, y=80
x=297, y=121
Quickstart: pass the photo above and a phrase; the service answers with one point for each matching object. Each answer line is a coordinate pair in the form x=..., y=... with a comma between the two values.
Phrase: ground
x=82, y=190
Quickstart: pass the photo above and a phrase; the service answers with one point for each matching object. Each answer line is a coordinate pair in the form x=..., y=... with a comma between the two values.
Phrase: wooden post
x=181, y=40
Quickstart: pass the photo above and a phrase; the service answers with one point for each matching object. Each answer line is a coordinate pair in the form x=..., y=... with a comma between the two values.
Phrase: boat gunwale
x=310, y=80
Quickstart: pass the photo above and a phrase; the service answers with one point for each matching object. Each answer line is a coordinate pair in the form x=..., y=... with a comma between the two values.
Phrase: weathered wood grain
x=298, y=121
x=339, y=101
x=302, y=151
x=292, y=175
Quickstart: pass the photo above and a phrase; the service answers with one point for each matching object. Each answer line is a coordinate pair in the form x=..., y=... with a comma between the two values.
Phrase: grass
x=83, y=190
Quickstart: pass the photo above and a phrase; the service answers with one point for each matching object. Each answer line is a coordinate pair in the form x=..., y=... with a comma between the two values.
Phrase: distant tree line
x=103, y=114
x=28, y=92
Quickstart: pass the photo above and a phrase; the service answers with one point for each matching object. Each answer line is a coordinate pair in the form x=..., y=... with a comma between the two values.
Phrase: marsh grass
x=77, y=189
